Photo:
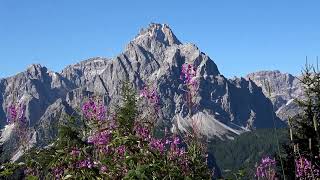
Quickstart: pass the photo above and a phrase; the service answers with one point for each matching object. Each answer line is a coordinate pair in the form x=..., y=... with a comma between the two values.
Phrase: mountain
x=282, y=89
x=226, y=108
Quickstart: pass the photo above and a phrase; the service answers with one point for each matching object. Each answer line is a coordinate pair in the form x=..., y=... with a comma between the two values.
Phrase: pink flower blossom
x=16, y=114
x=86, y=163
x=142, y=132
x=100, y=138
x=305, y=169
x=188, y=74
x=94, y=111
x=58, y=172
x=151, y=95
x=266, y=169
x=156, y=144
x=75, y=152
x=103, y=168
x=121, y=150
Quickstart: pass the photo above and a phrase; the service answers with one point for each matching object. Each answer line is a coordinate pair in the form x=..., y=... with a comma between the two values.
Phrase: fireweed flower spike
x=266, y=169
x=16, y=114
x=13, y=112
x=188, y=74
x=87, y=163
x=142, y=132
x=121, y=150
x=152, y=98
x=190, y=82
x=93, y=110
x=157, y=144
x=150, y=94
x=305, y=169
x=100, y=138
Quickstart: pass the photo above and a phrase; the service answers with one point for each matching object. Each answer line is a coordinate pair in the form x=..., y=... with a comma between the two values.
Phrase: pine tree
x=127, y=112
x=303, y=128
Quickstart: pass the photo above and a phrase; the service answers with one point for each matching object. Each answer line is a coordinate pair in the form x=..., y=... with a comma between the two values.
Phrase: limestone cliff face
x=154, y=57
x=282, y=89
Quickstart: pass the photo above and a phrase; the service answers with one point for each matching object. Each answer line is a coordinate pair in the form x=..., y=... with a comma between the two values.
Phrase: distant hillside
x=246, y=150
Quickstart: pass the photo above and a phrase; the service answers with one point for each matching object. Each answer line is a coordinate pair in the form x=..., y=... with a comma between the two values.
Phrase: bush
x=115, y=145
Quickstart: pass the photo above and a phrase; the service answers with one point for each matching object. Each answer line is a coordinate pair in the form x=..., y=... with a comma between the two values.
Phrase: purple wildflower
x=121, y=150
x=176, y=140
x=75, y=152
x=30, y=171
x=103, y=168
x=157, y=144
x=151, y=95
x=94, y=111
x=188, y=74
x=13, y=113
x=100, y=138
x=58, y=172
x=16, y=114
x=305, y=169
x=86, y=163
x=167, y=141
x=142, y=132
x=266, y=168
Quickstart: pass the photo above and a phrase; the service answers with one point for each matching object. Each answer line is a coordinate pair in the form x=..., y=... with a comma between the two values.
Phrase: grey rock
x=282, y=89
x=225, y=108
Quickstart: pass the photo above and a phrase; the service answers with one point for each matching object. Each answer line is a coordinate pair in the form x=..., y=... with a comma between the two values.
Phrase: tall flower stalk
x=188, y=77
x=16, y=116
x=266, y=169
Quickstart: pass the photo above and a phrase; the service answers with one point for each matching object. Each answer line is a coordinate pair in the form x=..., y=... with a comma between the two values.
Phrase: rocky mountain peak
x=277, y=81
x=36, y=70
x=156, y=32
x=154, y=58
x=281, y=88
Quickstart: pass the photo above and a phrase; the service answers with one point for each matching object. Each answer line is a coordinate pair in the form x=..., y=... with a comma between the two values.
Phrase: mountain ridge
x=282, y=89
x=154, y=58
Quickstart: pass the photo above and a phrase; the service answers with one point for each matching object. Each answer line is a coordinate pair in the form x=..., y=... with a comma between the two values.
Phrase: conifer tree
x=303, y=128
x=127, y=112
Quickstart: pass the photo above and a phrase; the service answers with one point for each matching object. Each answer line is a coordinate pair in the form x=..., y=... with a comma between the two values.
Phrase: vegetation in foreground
x=121, y=144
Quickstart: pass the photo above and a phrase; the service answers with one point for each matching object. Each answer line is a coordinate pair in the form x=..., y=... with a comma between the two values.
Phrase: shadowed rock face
x=284, y=88
x=154, y=57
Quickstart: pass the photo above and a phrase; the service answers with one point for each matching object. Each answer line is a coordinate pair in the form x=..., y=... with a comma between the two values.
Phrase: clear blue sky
x=241, y=36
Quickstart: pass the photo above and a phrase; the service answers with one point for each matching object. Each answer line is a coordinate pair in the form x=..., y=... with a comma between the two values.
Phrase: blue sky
x=240, y=36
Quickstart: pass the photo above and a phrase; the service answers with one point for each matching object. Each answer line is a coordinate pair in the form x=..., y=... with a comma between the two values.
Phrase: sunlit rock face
x=282, y=89
x=225, y=108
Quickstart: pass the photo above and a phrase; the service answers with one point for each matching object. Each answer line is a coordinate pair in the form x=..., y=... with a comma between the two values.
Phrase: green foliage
x=196, y=150
x=121, y=146
x=303, y=128
x=238, y=157
x=126, y=114
x=9, y=170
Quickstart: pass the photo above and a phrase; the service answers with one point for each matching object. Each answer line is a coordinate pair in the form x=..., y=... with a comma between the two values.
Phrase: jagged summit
x=34, y=66
x=36, y=69
x=157, y=32
x=153, y=58
x=284, y=88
